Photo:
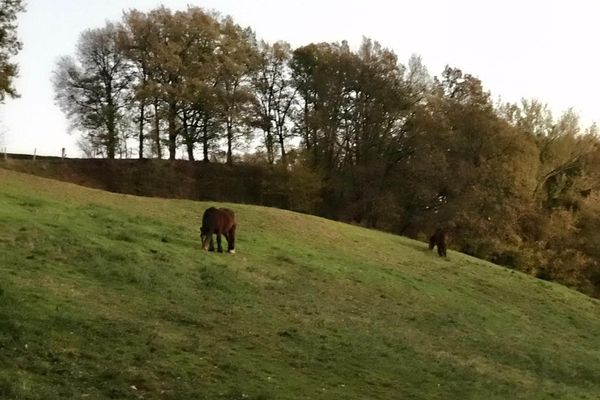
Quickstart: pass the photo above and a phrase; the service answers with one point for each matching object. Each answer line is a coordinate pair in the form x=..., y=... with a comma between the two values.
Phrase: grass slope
x=108, y=296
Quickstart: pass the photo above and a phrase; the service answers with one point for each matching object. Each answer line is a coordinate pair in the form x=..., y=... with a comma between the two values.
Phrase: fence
x=20, y=156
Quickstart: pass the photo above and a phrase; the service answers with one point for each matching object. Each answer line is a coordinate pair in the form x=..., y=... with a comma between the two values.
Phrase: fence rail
x=20, y=156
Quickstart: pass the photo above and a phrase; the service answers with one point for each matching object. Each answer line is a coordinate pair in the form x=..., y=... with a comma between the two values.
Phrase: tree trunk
x=281, y=144
x=229, y=142
x=190, y=150
x=205, y=140
x=111, y=127
x=141, y=133
x=172, y=130
x=111, y=142
x=157, y=131
x=189, y=140
x=269, y=146
x=306, y=128
x=111, y=146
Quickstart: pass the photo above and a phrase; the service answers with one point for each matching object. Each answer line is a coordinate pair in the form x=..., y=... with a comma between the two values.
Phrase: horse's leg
x=219, y=247
x=228, y=238
x=231, y=240
x=211, y=246
x=441, y=249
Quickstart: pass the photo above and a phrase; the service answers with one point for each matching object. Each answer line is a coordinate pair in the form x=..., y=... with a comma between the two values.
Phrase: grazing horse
x=219, y=221
x=439, y=239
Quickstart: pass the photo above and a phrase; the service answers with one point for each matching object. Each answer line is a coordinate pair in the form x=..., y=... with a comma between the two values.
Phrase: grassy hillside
x=109, y=296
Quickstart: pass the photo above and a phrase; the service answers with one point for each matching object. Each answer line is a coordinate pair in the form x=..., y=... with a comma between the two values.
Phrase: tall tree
x=135, y=40
x=322, y=74
x=93, y=88
x=177, y=51
x=354, y=121
x=237, y=58
x=275, y=96
x=375, y=133
x=303, y=64
x=166, y=62
x=200, y=109
x=9, y=46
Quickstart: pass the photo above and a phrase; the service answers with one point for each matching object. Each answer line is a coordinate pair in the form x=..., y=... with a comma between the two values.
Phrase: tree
x=200, y=109
x=93, y=89
x=275, y=96
x=563, y=153
x=356, y=111
x=323, y=74
x=303, y=65
x=377, y=131
x=177, y=54
x=165, y=57
x=135, y=40
x=237, y=58
x=9, y=46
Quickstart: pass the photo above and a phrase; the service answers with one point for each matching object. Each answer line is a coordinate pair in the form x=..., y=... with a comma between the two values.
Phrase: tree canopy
x=9, y=46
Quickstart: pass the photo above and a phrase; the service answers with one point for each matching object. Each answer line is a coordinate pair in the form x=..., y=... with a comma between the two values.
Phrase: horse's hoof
x=231, y=251
x=211, y=249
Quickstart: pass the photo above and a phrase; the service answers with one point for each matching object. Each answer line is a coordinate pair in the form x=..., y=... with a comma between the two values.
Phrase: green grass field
x=109, y=296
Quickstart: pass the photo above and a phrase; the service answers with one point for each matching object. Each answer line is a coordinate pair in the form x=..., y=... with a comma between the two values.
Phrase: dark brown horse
x=439, y=239
x=219, y=221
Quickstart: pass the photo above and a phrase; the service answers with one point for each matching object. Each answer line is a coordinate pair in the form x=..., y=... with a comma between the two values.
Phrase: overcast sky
x=527, y=48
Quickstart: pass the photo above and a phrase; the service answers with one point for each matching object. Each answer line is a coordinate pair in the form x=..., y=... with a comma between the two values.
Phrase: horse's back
x=228, y=218
x=218, y=219
x=210, y=211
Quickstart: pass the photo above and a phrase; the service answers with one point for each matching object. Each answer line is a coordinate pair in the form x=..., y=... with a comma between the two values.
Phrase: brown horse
x=219, y=221
x=439, y=239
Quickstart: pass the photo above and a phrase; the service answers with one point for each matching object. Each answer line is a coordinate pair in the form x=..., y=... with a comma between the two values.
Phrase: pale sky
x=519, y=48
